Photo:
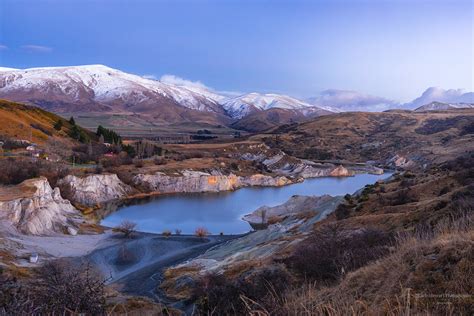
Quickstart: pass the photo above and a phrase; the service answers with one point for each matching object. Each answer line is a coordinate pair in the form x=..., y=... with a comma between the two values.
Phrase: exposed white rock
x=399, y=161
x=295, y=205
x=33, y=207
x=94, y=189
x=72, y=231
x=280, y=163
x=195, y=181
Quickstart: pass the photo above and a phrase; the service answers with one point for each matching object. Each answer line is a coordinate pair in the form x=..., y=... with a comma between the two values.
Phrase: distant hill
x=441, y=106
x=424, y=137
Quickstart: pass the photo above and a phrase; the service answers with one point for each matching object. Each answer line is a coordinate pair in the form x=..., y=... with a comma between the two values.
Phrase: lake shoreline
x=194, y=208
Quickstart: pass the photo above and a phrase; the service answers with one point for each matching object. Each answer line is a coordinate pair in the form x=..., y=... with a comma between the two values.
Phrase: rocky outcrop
x=94, y=189
x=194, y=181
x=265, y=243
x=33, y=207
x=297, y=204
x=281, y=163
x=341, y=171
x=399, y=161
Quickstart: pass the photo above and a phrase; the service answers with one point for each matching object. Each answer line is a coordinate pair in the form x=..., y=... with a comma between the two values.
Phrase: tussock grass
x=429, y=272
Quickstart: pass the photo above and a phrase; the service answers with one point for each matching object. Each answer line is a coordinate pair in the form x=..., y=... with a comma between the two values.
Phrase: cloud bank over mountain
x=441, y=95
x=178, y=81
x=348, y=100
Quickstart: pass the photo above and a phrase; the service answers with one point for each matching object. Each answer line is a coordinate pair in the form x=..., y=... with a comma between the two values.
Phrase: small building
x=34, y=257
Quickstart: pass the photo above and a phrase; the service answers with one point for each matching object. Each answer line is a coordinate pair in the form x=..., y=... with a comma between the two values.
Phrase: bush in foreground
x=218, y=295
x=333, y=251
x=58, y=288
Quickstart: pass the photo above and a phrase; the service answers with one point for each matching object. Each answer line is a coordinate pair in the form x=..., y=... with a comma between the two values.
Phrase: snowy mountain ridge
x=441, y=106
x=101, y=84
x=243, y=105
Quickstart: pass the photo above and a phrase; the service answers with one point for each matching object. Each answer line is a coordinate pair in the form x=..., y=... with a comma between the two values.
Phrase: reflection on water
x=222, y=212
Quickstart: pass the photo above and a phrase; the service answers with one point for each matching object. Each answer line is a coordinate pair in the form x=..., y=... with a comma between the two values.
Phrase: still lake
x=222, y=212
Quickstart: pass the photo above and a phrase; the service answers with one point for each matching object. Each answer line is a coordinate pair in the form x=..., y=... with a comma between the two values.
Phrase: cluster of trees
x=108, y=136
x=203, y=134
x=75, y=131
x=146, y=149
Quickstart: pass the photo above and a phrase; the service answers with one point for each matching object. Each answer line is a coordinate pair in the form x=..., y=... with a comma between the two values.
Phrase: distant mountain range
x=97, y=88
x=101, y=89
x=440, y=106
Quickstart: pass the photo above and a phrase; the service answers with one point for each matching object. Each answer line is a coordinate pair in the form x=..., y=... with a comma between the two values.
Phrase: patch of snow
x=241, y=106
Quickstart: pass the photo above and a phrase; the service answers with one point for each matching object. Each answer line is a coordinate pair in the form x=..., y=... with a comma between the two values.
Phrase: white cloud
x=348, y=100
x=441, y=95
x=175, y=80
x=197, y=85
x=37, y=48
x=3, y=47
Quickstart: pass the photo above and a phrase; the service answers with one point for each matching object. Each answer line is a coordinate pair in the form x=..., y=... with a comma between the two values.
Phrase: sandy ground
x=64, y=246
x=51, y=247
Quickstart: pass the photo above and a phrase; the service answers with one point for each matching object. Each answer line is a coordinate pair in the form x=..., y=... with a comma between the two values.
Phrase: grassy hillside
x=25, y=122
x=357, y=136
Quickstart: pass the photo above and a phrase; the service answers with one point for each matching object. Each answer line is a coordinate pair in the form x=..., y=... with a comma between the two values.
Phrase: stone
x=72, y=231
x=195, y=181
x=34, y=208
x=94, y=189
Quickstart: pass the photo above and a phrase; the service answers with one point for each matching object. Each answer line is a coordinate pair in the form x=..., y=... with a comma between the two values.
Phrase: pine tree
x=58, y=125
x=72, y=121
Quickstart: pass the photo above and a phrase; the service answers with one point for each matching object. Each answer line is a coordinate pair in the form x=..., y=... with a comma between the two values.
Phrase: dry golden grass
x=16, y=121
x=372, y=136
x=428, y=273
x=171, y=275
x=137, y=306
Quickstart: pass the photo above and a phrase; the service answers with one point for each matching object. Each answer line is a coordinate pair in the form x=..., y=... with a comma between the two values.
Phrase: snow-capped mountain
x=97, y=84
x=441, y=106
x=98, y=88
x=244, y=105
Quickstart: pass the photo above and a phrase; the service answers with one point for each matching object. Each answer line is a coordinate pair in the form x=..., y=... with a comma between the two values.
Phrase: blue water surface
x=222, y=212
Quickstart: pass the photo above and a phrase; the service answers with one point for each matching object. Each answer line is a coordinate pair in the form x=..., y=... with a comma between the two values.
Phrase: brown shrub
x=14, y=171
x=138, y=163
x=201, y=232
x=333, y=251
x=218, y=295
x=342, y=211
x=58, y=288
x=127, y=228
x=159, y=161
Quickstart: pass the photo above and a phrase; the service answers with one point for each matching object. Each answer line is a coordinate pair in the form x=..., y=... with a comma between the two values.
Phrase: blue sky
x=395, y=49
